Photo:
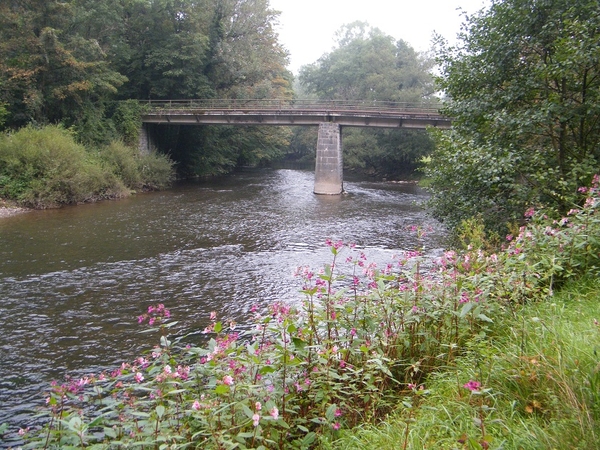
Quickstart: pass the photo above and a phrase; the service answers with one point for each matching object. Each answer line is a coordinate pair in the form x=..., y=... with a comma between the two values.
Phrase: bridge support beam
x=328, y=168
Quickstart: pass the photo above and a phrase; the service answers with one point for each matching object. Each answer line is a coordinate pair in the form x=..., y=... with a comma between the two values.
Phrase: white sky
x=307, y=27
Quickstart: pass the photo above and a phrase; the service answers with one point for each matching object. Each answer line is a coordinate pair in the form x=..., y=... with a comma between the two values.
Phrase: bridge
x=330, y=116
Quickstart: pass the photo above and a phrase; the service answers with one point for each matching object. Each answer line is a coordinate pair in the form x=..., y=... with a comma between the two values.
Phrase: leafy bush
x=157, y=171
x=128, y=120
x=45, y=167
x=149, y=171
x=122, y=161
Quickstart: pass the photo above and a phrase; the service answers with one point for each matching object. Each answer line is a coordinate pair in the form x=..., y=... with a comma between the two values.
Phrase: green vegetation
x=540, y=376
x=46, y=167
x=482, y=350
x=523, y=87
x=370, y=66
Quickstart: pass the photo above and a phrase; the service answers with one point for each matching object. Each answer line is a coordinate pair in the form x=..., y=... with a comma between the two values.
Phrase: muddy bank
x=8, y=210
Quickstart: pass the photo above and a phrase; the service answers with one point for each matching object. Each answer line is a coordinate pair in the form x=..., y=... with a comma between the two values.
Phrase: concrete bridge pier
x=147, y=143
x=328, y=168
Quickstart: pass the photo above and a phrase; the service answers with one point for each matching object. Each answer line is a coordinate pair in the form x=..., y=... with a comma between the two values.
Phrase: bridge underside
x=299, y=118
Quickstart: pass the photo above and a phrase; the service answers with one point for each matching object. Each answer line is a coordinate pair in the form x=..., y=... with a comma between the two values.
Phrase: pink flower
x=213, y=315
x=255, y=419
x=472, y=385
x=336, y=426
x=139, y=377
x=228, y=380
x=258, y=406
x=338, y=412
x=196, y=405
x=274, y=413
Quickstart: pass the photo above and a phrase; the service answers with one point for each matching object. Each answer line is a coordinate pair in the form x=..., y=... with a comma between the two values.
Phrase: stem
x=406, y=431
x=284, y=371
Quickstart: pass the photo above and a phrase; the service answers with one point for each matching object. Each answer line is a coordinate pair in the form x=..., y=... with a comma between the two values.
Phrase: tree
x=523, y=87
x=67, y=61
x=368, y=65
x=48, y=74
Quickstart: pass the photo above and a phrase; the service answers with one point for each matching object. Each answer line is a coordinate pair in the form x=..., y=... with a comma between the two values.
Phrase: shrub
x=122, y=161
x=46, y=167
x=128, y=120
x=157, y=171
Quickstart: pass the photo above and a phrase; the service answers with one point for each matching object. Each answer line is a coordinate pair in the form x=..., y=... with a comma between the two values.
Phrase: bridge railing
x=283, y=105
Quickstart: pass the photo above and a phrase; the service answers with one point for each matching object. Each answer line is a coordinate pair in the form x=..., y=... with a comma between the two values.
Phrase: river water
x=74, y=280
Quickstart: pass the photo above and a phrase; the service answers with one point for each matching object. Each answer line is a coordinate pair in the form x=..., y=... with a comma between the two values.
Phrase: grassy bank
x=539, y=372
x=46, y=167
x=486, y=349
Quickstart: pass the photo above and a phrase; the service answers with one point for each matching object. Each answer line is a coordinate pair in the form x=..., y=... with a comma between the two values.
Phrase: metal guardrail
x=289, y=105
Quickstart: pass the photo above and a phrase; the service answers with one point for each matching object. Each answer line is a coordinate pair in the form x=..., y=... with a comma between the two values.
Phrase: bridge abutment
x=328, y=168
x=147, y=143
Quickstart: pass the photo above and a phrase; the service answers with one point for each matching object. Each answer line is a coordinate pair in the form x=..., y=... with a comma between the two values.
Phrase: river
x=74, y=280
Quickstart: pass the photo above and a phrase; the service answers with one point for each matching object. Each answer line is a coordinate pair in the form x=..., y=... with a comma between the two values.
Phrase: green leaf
x=110, y=432
x=309, y=439
x=222, y=389
x=330, y=413
x=218, y=327
x=466, y=309
x=299, y=343
x=267, y=369
x=247, y=411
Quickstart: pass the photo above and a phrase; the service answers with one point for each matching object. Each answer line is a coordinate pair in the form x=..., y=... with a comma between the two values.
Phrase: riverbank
x=8, y=210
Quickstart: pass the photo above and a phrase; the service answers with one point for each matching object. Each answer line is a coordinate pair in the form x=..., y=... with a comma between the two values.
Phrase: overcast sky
x=307, y=27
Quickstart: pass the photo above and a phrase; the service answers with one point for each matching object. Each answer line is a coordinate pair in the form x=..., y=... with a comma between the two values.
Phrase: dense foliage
x=68, y=62
x=523, y=87
x=46, y=167
x=365, y=342
x=371, y=66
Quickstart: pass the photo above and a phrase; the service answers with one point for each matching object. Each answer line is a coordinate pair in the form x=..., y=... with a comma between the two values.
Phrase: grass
x=540, y=375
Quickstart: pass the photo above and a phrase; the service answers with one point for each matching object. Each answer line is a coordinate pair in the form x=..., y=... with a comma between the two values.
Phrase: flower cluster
x=155, y=315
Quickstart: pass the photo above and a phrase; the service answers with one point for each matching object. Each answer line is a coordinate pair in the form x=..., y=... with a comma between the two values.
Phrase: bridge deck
x=294, y=112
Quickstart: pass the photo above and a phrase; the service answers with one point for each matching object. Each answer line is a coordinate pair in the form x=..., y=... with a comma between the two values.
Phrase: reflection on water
x=73, y=280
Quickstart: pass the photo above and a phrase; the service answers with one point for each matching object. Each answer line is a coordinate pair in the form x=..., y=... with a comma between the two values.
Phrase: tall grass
x=46, y=167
